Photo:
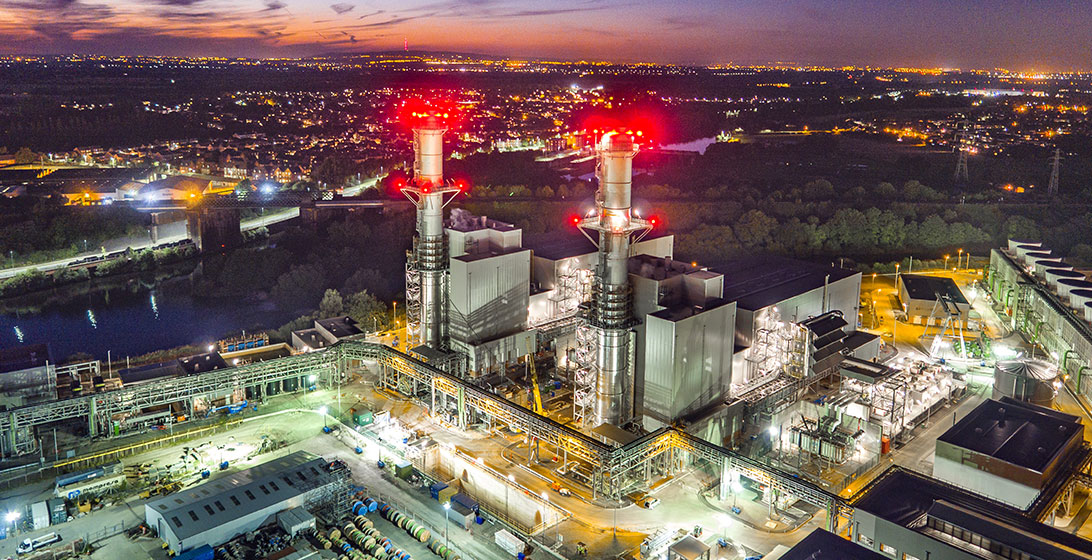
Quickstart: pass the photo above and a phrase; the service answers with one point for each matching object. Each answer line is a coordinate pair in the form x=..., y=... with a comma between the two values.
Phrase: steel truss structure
x=616, y=469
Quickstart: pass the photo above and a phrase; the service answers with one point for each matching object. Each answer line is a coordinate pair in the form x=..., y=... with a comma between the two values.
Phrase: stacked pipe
x=417, y=531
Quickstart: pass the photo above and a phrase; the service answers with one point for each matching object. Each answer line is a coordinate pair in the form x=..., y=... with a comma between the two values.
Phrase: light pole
x=12, y=517
x=959, y=260
x=11, y=255
x=322, y=410
x=946, y=257
x=897, y=265
x=447, y=507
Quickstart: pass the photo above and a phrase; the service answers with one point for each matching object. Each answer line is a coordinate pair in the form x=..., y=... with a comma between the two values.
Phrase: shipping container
x=444, y=496
x=203, y=552
x=434, y=490
x=58, y=512
x=465, y=501
x=403, y=469
x=39, y=515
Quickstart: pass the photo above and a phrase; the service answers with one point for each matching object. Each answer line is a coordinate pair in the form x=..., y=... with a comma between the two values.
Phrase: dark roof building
x=1009, y=450
x=824, y=545
x=908, y=515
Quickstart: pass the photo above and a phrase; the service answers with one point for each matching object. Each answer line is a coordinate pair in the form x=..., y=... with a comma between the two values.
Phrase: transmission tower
x=961, y=165
x=1055, y=166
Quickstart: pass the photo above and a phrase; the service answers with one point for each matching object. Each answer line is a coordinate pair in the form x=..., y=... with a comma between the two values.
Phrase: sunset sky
x=1015, y=34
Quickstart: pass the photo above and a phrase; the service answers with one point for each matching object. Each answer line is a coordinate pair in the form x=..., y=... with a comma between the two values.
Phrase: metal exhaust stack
x=426, y=269
x=610, y=316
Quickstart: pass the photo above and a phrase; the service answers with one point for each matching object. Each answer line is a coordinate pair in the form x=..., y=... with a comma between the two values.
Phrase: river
x=128, y=317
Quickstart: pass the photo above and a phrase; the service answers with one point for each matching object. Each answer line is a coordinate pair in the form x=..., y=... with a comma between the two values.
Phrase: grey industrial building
x=214, y=512
x=824, y=545
x=1009, y=451
x=909, y=516
x=932, y=298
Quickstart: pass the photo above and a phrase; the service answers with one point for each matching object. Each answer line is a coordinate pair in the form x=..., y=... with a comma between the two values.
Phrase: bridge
x=616, y=469
x=213, y=222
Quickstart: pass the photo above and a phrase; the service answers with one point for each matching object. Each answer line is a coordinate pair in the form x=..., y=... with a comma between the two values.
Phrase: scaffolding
x=413, y=301
x=585, y=375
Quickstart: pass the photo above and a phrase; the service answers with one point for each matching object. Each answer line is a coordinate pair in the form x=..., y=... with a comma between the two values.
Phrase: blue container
x=479, y=520
x=224, y=465
x=358, y=450
x=434, y=490
x=557, y=384
x=465, y=501
x=205, y=473
x=204, y=552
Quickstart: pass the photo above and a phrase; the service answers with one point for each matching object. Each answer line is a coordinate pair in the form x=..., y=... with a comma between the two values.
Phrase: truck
x=39, y=515
x=30, y=545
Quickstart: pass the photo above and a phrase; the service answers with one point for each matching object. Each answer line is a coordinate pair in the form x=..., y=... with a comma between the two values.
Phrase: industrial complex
x=610, y=369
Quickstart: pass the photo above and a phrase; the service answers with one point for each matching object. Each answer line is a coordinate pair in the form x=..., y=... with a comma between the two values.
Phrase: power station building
x=646, y=339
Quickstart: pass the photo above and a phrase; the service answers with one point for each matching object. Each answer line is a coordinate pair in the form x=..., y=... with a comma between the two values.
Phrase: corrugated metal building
x=488, y=292
x=214, y=512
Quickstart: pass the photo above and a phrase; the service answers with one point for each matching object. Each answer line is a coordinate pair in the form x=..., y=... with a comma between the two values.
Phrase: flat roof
x=761, y=281
x=689, y=548
x=202, y=363
x=311, y=337
x=225, y=499
x=569, y=242
x=904, y=497
x=24, y=357
x=1022, y=434
x=340, y=327
x=824, y=545
x=926, y=288
x=869, y=372
x=679, y=312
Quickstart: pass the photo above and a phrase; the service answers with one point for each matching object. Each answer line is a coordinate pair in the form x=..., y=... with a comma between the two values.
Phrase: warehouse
x=214, y=512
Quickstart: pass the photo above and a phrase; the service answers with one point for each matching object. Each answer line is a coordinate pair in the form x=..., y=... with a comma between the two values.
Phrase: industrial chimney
x=426, y=267
x=610, y=316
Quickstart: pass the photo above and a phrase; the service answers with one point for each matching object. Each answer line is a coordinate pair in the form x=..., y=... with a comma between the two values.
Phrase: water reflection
x=129, y=318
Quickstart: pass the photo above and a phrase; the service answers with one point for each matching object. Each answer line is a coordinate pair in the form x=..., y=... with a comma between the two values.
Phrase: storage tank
x=1067, y=285
x=1040, y=266
x=1053, y=275
x=1014, y=243
x=1033, y=381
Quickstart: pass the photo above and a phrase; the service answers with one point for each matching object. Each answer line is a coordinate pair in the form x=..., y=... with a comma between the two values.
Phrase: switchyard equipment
x=427, y=262
x=610, y=316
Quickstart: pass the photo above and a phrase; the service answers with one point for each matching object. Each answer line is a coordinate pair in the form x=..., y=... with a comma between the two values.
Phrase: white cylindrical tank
x=1042, y=265
x=428, y=165
x=1053, y=275
x=1014, y=243
x=1033, y=381
x=1067, y=285
x=1078, y=298
x=1023, y=250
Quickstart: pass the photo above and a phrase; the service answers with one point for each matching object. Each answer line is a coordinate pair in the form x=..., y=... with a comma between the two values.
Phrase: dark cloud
x=273, y=5
x=373, y=14
x=342, y=7
x=179, y=3
x=396, y=20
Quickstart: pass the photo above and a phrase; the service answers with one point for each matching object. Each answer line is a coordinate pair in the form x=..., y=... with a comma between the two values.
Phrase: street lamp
x=946, y=257
x=960, y=259
x=447, y=518
x=12, y=517
x=11, y=255
x=873, y=280
x=323, y=410
x=897, y=265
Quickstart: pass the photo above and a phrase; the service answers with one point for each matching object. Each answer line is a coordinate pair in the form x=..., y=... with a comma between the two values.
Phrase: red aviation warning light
x=418, y=112
x=653, y=220
x=575, y=220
